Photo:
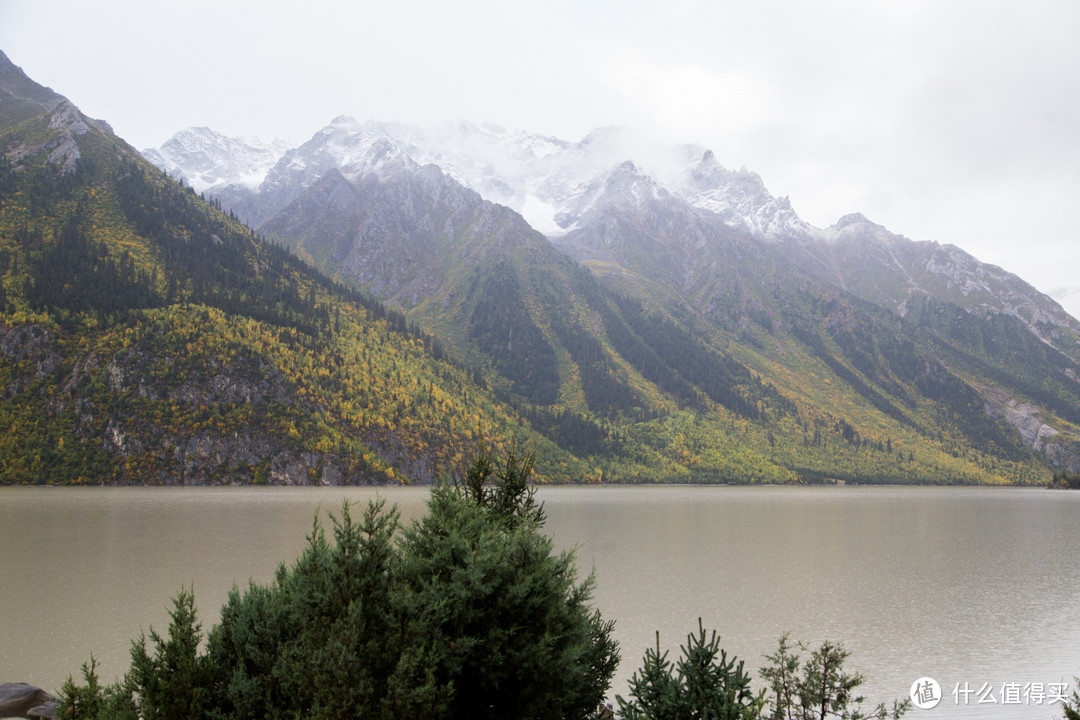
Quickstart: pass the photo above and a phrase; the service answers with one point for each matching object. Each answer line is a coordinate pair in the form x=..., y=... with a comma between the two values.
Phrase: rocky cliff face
x=61, y=148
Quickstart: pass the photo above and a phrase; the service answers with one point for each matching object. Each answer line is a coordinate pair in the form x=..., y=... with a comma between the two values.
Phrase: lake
x=978, y=588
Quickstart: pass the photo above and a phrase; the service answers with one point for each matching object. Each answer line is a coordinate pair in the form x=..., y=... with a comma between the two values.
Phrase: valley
x=374, y=304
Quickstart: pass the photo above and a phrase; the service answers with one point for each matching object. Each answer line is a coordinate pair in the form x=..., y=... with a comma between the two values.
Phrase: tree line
x=467, y=612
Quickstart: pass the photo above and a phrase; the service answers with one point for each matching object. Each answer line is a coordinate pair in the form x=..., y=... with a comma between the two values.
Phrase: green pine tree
x=467, y=613
x=703, y=685
x=92, y=701
x=321, y=641
x=823, y=689
x=173, y=682
x=499, y=625
x=1071, y=707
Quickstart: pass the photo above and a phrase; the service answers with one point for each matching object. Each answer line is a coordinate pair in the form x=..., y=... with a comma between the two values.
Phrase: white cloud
x=683, y=100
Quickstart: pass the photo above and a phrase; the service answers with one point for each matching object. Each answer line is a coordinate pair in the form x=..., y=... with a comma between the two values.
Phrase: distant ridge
x=673, y=322
x=850, y=320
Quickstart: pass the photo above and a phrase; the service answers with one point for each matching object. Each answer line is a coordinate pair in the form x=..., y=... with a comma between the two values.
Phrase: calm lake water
x=978, y=588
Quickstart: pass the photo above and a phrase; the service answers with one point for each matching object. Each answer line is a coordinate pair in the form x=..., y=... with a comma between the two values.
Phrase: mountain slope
x=145, y=337
x=1003, y=346
x=20, y=97
x=889, y=270
x=716, y=336
x=503, y=298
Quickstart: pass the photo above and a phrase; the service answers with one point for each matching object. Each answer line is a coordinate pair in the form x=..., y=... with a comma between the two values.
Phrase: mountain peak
x=856, y=227
x=740, y=199
x=347, y=122
x=855, y=218
x=544, y=179
x=384, y=158
x=209, y=161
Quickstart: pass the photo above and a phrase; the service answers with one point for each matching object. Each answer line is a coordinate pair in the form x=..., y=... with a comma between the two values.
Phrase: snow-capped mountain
x=357, y=204
x=578, y=193
x=677, y=323
x=545, y=179
x=542, y=178
x=740, y=199
x=208, y=160
x=890, y=270
x=339, y=146
x=423, y=218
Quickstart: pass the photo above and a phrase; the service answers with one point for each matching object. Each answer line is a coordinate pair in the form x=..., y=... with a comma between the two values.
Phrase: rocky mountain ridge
x=150, y=337
x=209, y=161
x=676, y=229
x=539, y=177
x=550, y=182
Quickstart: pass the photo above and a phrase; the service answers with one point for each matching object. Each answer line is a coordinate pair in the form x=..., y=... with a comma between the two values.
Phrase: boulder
x=20, y=700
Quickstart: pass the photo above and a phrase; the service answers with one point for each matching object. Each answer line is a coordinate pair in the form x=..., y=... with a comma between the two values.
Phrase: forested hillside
x=659, y=341
x=148, y=336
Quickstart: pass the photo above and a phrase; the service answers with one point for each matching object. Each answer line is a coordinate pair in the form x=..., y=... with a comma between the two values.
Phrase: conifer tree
x=319, y=642
x=499, y=625
x=92, y=701
x=818, y=688
x=703, y=685
x=173, y=682
x=466, y=613
x=1071, y=706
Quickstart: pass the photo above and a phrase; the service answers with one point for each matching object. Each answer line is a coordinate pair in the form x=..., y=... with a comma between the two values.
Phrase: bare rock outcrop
x=21, y=700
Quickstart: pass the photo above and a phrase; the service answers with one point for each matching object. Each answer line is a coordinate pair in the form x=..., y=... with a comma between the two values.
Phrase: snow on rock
x=559, y=186
x=740, y=199
x=208, y=160
x=541, y=177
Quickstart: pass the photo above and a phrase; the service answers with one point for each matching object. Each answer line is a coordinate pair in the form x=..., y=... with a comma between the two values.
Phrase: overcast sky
x=956, y=121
